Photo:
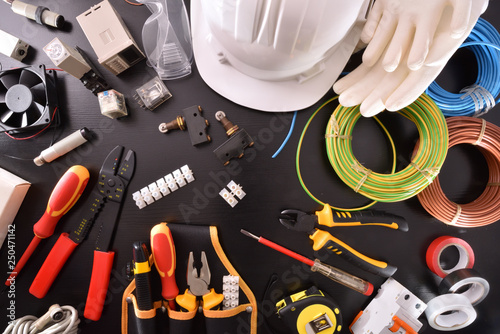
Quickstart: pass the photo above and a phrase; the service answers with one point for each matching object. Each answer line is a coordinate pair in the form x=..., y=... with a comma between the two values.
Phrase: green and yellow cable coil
x=297, y=160
x=397, y=186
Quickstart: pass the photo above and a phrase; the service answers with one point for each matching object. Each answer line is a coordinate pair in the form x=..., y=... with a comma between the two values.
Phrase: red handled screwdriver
x=337, y=275
x=65, y=194
x=163, y=249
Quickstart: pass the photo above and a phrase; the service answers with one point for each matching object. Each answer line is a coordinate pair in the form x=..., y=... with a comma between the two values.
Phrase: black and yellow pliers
x=309, y=223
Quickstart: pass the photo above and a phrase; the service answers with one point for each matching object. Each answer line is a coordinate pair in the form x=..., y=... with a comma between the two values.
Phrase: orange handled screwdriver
x=65, y=194
x=163, y=249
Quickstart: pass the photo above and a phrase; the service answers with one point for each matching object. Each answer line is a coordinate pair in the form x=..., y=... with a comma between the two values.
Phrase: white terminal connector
x=234, y=190
x=228, y=197
x=169, y=179
x=230, y=291
x=179, y=178
x=139, y=201
x=163, y=186
x=155, y=192
x=188, y=173
x=146, y=195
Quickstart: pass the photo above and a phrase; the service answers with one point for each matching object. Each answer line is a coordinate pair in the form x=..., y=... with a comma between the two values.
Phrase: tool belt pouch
x=162, y=319
x=140, y=321
x=237, y=320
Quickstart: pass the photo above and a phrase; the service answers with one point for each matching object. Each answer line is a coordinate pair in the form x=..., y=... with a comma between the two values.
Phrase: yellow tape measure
x=310, y=312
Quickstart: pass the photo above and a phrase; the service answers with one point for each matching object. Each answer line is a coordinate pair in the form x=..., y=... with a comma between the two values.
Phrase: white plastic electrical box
x=12, y=46
x=110, y=38
x=394, y=310
x=67, y=58
x=13, y=190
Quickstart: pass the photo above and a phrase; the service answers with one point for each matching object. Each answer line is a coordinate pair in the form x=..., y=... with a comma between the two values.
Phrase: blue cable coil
x=475, y=100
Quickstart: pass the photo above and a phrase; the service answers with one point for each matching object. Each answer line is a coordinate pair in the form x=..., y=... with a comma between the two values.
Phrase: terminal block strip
x=230, y=290
x=235, y=190
x=163, y=186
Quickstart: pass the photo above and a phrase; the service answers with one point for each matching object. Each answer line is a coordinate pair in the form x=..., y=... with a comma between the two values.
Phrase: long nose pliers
x=311, y=223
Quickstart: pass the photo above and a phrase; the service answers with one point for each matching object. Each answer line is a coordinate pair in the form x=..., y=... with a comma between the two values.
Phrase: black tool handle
x=143, y=292
x=331, y=218
x=324, y=240
x=142, y=269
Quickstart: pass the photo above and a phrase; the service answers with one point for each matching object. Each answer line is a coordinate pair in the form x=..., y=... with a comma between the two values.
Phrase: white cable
x=28, y=324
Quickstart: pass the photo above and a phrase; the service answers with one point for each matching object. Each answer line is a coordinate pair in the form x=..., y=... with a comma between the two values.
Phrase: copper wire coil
x=486, y=208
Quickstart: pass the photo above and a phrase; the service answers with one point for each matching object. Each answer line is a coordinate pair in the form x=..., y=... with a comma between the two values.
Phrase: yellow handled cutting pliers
x=310, y=223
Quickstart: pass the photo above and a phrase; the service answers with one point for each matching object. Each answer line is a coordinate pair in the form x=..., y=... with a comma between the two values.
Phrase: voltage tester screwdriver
x=332, y=273
x=65, y=194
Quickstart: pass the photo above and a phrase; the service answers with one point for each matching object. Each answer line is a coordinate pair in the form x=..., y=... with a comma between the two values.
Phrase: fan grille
x=24, y=99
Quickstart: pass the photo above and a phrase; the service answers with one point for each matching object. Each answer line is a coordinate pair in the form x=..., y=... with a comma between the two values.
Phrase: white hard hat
x=274, y=55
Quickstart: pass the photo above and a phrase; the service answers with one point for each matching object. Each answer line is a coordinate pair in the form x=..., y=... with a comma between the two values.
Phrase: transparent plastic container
x=166, y=38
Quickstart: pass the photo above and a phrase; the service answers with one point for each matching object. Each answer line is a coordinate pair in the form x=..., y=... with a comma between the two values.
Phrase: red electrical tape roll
x=436, y=248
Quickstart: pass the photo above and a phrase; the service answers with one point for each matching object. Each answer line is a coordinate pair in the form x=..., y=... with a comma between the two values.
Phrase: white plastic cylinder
x=63, y=146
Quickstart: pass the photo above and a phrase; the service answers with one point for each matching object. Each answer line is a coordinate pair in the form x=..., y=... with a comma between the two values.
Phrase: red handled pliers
x=114, y=177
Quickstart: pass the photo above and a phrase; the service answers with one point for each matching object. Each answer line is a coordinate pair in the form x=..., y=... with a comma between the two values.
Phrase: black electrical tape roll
x=466, y=282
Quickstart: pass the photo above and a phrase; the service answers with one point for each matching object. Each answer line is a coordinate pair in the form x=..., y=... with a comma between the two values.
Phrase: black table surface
x=271, y=185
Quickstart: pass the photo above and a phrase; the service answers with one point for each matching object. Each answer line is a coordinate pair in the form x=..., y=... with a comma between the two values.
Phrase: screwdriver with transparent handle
x=342, y=277
x=337, y=275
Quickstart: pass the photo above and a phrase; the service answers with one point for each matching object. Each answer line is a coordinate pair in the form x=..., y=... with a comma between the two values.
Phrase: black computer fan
x=27, y=99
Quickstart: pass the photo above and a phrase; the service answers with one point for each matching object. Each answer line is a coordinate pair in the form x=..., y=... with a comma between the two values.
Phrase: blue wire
x=484, y=41
x=287, y=136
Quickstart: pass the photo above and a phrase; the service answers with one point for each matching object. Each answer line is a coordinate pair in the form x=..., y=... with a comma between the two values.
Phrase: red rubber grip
x=101, y=271
x=67, y=191
x=52, y=266
x=163, y=248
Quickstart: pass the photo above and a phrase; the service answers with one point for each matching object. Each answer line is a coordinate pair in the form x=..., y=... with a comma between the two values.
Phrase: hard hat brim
x=264, y=95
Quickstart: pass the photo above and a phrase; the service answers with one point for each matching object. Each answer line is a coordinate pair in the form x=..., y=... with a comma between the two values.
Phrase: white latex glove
x=409, y=43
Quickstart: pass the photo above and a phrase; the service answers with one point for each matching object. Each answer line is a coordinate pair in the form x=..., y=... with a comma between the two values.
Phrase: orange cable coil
x=486, y=208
